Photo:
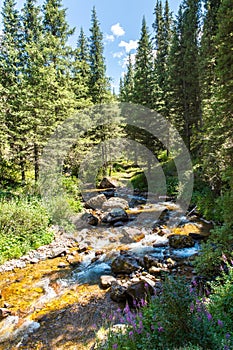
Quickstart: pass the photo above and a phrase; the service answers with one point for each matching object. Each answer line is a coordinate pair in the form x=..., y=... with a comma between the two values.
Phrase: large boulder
x=108, y=182
x=115, y=215
x=181, y=241
x=139, y=291
x=124, y=264
x=115, y=202
x=96, y=202
x=131, y=235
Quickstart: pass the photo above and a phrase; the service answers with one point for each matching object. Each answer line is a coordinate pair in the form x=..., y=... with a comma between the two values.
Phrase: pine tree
x=162, y=38
x=127, y=88
x=184, y=72
x=81, y=71
x=11, y=63
x=144, y=85
x=99, y=86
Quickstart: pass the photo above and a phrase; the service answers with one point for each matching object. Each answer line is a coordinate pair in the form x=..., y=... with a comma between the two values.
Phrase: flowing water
x=33, y=291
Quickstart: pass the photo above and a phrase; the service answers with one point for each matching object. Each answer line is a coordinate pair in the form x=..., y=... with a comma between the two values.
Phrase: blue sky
x=120, y=23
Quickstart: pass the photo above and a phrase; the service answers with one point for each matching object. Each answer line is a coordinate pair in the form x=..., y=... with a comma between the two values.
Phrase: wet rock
x=108, y=182
x=118, y=292
x=106, y=281
x=115, y=202
x=197, y=236
x=139, y=291
x=124, y=264
x=96, y=202
x=115, y=215
x=118, y=224
x=4, y=312
x=131, y=235
x=150, y=261
x=181, y=241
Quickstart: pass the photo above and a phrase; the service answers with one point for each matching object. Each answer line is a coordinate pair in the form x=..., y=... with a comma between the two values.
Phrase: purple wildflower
x=228, y=336
x=209, y=316
x=224, y=258
x=152, y=327
x=192, y=307
x=160, y=329
x=220, y=323
x=130, y=333
x=115, y=346
x=127, y=308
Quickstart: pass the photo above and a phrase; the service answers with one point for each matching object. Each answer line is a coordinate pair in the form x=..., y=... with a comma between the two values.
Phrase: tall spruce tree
x=127, y=88
x=144, y=84
x=81, y=71
x=11, y=63
x=184, y=73
x=162, y=29
x=99, y=85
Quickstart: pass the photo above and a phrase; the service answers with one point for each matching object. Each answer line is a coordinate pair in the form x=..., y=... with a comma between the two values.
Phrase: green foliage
x=221, y=301
x=23, y=227
x=139, y=181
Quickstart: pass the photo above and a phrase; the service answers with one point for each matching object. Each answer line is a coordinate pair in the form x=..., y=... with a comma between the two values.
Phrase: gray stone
x=108, y=182
x=96, y=202
x=118, y=292
x=124, y=264
x=115, y=215
x=139, y=291
x=56, y=252
x=115, y=202
x=131, y=235
x=106, y=281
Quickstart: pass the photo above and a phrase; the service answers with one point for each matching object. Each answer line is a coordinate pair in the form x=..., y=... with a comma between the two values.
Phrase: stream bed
x=39, y=288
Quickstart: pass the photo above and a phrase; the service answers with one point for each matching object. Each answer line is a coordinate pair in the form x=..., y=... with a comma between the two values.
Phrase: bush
x=177, y=319
x=23, y=227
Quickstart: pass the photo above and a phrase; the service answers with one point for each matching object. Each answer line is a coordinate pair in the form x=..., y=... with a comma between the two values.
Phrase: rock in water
x=115, y=202
x=124, y=264
x=131, y=235
x=180, y=241
x=115, y=215
x=96, y=202
x=108, y=182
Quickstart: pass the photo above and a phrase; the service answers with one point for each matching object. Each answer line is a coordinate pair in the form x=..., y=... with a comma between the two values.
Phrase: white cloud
x=118, y=54
x=131, y=45
x=117, y=30
x=109, y=37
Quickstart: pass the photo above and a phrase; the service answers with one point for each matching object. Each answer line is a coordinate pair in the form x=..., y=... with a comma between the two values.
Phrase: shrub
x=177, y=319
x=23, y=226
